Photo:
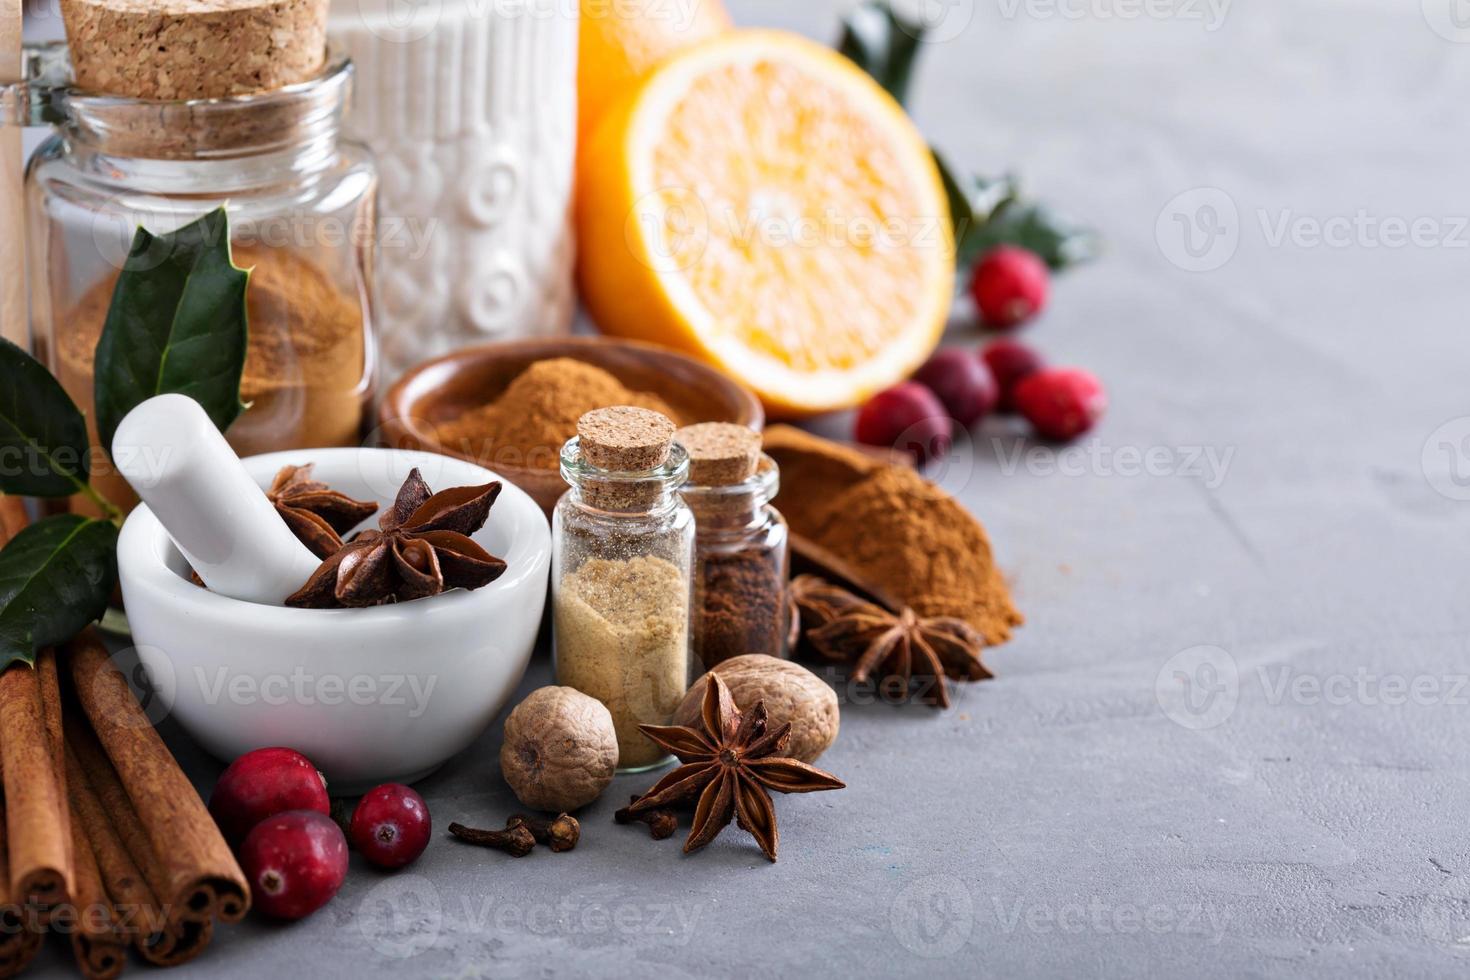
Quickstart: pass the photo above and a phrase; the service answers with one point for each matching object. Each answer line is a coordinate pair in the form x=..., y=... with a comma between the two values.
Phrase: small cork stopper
x=625, y=439
x=721, y=454
x=170, y=50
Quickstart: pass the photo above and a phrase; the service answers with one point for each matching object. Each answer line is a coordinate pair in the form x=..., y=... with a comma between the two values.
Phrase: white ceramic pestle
x=217, y=516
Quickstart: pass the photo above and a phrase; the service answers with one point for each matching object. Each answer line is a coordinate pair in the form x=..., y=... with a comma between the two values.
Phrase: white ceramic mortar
x=369, y=695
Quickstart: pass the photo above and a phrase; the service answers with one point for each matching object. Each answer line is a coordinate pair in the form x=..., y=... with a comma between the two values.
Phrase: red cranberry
x=391, y=825
x=962, y=383
x=263, y=783
x=908, y=417
x=295, y=861
x=1062, y=403
x=1010, y=286
x=1010, y=362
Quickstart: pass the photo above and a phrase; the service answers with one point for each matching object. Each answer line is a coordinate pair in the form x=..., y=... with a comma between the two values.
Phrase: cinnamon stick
x=199, y=877
x=37, y=826
x=101, y=805
x=49, y=682
x=97, y=942
x=20, y=939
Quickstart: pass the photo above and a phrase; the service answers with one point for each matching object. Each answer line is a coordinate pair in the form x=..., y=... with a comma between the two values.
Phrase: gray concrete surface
x=1290, y=574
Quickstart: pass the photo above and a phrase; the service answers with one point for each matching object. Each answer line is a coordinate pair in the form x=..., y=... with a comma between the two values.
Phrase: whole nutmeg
x=791, y=692
x=560, y=749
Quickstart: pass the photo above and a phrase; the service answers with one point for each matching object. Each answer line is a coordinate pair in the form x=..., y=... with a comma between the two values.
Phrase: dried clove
x=516, y=841
x=661, y=823
x=560, y=834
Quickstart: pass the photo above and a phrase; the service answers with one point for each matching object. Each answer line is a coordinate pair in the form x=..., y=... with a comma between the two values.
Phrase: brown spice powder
x=622, y=636
x=740, y=604
x=305, y=376
x=538, y=412
x=896, y=528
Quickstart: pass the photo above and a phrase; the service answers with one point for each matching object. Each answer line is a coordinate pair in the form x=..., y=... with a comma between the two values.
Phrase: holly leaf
x=43, y=436
x=56, y=577
x=883, y=44
x=177, y=324
x=991, y=211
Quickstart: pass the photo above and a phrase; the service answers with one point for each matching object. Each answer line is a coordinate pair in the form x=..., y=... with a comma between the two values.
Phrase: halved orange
x=619, y=43
x=760, y=202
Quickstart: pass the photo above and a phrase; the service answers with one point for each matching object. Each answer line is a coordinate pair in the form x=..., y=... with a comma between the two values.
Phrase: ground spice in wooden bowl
x=538, y=412
x=894, y=528
x=461, y=404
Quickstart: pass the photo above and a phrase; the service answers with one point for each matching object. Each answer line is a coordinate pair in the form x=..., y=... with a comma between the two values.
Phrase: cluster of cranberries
x=958, y=387
x=272, y=805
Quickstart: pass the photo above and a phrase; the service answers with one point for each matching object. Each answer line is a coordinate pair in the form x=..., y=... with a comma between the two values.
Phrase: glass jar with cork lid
x=622, y=543
x=234, y=104
x=740, y=553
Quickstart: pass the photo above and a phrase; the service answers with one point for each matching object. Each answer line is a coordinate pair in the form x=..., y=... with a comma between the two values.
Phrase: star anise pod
x=315, y=513
x=423, y=548
x=818, y=601
x=730, y=762
x=900, y=647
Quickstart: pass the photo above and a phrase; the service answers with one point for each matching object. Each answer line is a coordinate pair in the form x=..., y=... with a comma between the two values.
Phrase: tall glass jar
x=301, y=203
x=622, y=546
x=741, y=568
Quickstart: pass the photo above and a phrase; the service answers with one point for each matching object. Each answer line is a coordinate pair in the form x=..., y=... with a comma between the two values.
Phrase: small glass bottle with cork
x=622, y=550
x=740, y=552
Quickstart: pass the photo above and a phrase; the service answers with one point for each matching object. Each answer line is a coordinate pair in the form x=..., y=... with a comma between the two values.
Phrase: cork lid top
x=721, y=454
x=175, y=50
x=625, y=439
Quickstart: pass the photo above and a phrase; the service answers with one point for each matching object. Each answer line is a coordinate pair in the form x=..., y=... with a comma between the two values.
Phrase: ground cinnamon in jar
x=537, y=413
x=895, y=528
x=740, y=545
x=307, y=373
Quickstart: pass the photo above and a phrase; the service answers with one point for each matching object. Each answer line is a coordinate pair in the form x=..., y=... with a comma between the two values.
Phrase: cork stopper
x=172, y=50
x=625, y=439
x=721, y=454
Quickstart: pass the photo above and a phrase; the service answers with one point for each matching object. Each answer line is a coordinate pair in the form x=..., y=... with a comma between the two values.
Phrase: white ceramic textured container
x=471, y=109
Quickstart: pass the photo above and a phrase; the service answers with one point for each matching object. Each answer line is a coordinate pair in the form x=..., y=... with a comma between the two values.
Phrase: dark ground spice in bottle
x=740, y=604
x=740, y=553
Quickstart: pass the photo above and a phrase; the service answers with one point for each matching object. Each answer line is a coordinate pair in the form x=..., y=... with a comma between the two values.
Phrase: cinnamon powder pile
x=307, y=371
x=895, y=528
x=538, y=412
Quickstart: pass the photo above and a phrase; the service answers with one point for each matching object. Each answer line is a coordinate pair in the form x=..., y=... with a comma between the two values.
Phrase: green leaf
x=43, y=437
x=1033, y=226
x=56, y=576
x=991, y=211
x=176, y=324
x=883, y=44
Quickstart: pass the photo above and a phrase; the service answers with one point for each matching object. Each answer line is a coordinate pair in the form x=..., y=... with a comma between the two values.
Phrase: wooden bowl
x=439, y=390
